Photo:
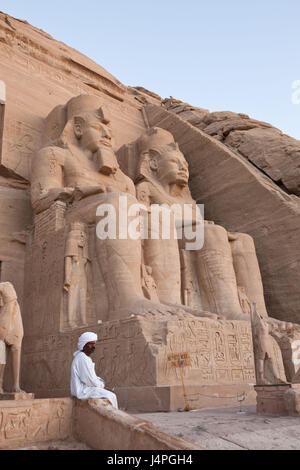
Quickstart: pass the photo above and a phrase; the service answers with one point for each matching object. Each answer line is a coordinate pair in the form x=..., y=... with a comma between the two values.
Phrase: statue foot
x=17, y=390
x=198, y=313
x=146, y=308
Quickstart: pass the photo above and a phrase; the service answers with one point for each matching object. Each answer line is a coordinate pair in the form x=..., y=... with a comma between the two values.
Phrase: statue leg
x=260, y=372
x=216, y=276
x=16, y=363
x=161, y=252
x=72, y=305
x=247, y=270
x=120, y=260
x=2, y=363
x=83, y=306
x=163, y=257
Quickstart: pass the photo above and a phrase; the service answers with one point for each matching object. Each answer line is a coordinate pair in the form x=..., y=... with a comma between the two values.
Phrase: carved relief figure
x=76, y=279
x=244, y=301
x=266, y=366
x=148, y=284
x=287, y=336
x=11, y=333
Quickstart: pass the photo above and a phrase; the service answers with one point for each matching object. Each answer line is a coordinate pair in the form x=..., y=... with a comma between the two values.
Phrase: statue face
x=172, y=168
x=93, y=134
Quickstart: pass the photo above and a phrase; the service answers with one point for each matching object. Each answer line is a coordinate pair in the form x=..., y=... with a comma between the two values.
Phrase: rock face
x=274, y=153
x=70, y=136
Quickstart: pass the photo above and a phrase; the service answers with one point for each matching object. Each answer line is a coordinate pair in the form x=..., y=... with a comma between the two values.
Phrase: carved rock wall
x=134, y=353
x=241, y=198
x=41, y=73
x=274, y=153
x=28, y=422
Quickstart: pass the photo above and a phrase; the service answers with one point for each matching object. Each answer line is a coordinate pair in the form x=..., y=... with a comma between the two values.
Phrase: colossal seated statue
x=79, y=168
x=213, y=277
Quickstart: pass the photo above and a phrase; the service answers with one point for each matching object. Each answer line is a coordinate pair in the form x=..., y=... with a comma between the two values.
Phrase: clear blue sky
x=221, y=55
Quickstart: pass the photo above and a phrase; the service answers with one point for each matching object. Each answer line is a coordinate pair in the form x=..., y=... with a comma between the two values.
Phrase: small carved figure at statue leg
x=2, y=368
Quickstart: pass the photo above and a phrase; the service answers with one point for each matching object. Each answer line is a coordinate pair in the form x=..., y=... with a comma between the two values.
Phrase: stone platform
x=96, y=424
x=132, y=358
x=280, y=399
x=16, y=396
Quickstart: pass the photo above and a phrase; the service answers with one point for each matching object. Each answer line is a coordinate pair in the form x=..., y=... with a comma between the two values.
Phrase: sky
x=241, y=56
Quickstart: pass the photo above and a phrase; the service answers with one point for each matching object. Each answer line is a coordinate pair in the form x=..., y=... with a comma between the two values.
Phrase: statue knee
x=215, y=236
x=243, y=243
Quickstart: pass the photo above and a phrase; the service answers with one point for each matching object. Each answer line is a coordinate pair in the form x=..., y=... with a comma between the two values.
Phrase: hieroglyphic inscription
x=39, y=421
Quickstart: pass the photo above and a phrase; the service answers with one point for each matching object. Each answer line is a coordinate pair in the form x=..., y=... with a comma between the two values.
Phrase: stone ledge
x=100, y=426
x=16, y=396
x=281, y=399
x=170, y=398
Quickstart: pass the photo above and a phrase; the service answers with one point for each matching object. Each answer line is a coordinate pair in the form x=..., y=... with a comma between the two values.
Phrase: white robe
x=85, y=383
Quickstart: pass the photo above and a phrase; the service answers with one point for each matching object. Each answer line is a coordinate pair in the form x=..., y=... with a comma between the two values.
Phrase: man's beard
x=107, y=161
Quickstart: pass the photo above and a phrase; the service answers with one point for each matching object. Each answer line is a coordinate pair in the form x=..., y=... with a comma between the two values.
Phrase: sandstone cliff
x=246, y=172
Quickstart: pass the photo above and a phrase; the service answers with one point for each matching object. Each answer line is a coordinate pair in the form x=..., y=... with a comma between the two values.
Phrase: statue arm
x=47, y=183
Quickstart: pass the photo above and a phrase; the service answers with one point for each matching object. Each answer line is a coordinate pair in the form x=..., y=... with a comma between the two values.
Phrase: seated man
x=84, y=382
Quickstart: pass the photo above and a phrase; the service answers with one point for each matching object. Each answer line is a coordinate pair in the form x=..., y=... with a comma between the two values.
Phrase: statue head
x=92, y=131
x=161, y=159
x=83, y=122
x=7, y=292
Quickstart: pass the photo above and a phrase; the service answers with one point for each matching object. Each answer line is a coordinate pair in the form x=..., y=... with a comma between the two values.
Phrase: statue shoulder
x=48, y=154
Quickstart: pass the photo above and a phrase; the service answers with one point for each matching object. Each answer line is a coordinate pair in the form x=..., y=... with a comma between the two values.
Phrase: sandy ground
x=229, y=429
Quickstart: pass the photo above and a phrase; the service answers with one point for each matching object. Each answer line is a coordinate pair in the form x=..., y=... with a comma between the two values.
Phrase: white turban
x=84, y=339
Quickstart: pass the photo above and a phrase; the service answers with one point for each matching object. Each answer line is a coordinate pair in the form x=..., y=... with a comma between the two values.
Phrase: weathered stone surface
x=133, y=354
x=167, y=399
x=65, y=119
x=273, y=152
x=30, y=424
x=39, y=73
x=120, y=431
x=230, y=429
x=17, y=396
x=31, y=421
x=241, y=198
x=281, y=399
